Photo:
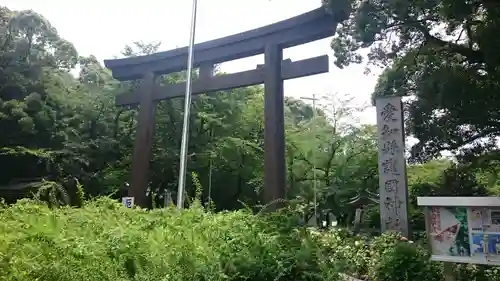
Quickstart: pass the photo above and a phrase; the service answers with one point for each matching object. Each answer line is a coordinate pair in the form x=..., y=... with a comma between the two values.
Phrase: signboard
x=464, y=234
x=449, y=232
x=392, y=165
x=128, y=202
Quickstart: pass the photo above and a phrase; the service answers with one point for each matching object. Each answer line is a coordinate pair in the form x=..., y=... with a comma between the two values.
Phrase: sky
x=103, y=28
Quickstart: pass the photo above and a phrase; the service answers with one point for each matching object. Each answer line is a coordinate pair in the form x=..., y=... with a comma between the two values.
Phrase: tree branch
x=472, y=55
x=483, y=134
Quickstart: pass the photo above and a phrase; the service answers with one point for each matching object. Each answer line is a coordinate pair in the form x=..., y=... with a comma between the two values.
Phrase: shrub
x=105, y=241
x=391, y=257
x=383, y=258
x=469, y=272
x=349, y=253
x=394, y=258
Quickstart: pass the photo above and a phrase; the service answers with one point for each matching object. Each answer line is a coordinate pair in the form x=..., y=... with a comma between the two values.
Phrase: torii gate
x=270, y=40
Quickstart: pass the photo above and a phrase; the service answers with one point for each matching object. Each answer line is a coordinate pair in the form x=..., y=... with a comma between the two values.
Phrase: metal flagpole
x=187, y=109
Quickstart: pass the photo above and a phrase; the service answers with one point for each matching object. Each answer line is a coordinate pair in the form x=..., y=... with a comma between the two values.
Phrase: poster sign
x=464, y=234
x=449, y=231
x=485, y=233
x=128, y=202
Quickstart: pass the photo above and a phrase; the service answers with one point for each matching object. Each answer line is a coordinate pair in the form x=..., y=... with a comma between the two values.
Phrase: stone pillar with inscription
x=392, y=166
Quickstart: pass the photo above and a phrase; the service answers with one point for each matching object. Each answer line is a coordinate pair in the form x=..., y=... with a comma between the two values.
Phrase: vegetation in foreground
x=105, y=241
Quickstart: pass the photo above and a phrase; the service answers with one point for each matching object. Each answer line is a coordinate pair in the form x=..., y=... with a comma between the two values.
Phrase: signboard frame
x=471, y=232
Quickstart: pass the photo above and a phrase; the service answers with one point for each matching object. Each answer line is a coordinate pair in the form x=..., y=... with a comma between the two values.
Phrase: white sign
x=463, y=229
x=128, y=202
x=392, y=165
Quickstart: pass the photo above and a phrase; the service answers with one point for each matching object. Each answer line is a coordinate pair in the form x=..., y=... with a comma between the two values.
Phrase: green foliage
x=395, y=259
x=443, y=54
x=39, y=243
x=42, y=243
x=386, y=257
x=341, y=157
x=52, y=192
x=392, y=257
x=349, y=252
x=465, y=272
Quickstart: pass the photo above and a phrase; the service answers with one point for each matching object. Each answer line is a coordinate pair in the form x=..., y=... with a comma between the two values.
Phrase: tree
x=442, y=53
x=342, y=155
x=34, y=78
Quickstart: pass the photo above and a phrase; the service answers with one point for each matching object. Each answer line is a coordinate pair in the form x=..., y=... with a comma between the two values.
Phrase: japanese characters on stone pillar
x=392, y=165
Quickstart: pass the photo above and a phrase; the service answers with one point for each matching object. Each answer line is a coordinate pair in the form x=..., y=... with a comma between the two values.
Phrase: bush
x=105, y=241
x=391, y=257
x=348, y=252
x=383, y=258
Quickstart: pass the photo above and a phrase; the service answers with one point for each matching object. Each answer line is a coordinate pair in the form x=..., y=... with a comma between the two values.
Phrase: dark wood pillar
x=143, y=141
x=274, y=130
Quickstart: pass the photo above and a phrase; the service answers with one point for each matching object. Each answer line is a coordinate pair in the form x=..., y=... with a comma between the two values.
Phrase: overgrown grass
x=105, y=241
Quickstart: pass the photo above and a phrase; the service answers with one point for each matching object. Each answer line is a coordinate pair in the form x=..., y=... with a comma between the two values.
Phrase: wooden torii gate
x=270, y=40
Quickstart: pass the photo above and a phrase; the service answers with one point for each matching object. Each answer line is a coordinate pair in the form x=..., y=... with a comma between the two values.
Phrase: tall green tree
x=442, y=53
x=332, y=159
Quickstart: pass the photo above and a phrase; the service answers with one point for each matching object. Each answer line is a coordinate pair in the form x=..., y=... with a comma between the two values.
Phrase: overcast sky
x=103, y=28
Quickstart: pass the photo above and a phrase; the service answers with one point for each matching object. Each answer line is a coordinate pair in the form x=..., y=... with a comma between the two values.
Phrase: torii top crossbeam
x=308, y=27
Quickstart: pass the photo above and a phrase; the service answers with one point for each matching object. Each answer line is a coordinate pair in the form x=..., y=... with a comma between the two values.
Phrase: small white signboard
x=128, y=202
